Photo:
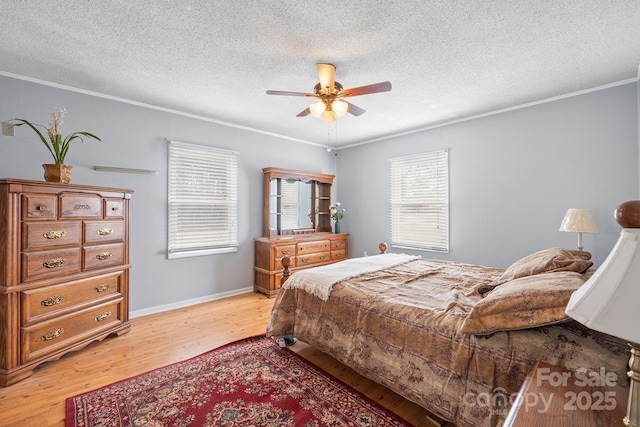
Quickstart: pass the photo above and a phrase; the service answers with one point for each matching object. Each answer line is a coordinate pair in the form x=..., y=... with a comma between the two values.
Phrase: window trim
x=229, y=246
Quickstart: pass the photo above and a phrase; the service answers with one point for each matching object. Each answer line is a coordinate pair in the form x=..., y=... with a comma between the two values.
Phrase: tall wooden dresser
x=64, y=270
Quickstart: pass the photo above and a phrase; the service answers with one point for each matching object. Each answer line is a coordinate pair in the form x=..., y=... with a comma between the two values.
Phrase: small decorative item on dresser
x=57, y=146
x=56, y=172
x=337, y=213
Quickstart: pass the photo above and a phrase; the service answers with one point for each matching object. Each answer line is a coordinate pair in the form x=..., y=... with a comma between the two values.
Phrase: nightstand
x=552, y=396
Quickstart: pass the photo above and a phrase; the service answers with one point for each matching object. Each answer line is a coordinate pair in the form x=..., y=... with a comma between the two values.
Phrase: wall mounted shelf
x=125, y=170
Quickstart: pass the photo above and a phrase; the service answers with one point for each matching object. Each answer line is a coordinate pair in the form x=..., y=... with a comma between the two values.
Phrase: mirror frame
x=320, y=200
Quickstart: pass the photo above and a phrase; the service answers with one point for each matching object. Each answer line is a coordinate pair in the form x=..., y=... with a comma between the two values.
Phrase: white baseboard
x=187, y=303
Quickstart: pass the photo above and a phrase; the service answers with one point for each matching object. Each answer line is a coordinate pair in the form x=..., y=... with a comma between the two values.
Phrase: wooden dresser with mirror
x=296, y=223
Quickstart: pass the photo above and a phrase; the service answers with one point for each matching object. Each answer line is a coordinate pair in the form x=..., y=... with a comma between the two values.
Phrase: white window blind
x=420, y=201
x=203, y=200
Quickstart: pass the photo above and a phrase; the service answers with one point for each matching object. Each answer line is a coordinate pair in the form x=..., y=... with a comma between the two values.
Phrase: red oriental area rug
x=252, y=382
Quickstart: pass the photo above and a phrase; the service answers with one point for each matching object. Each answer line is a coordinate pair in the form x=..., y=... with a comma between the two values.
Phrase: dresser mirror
x=296, y=202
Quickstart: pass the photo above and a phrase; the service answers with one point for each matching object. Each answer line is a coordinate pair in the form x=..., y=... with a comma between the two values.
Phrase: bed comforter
x=401, y=327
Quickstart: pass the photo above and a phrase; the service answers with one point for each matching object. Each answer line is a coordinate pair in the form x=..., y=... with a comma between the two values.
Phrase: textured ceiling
x=446, y=59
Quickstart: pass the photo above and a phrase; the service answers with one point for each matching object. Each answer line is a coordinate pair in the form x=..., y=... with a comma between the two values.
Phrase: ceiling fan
x=330, y=95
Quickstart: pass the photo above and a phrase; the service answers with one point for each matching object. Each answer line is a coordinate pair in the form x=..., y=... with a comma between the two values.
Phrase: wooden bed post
x=286, y=262
x=383, y=247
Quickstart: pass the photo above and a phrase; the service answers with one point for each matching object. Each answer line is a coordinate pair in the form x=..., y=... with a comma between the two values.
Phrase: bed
x=457, y=339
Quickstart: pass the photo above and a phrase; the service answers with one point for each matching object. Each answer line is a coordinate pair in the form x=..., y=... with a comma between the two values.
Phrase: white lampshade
x=608, y=301
x=339, y=107
x=579, y=220
x=328, y=116
x=317, y=108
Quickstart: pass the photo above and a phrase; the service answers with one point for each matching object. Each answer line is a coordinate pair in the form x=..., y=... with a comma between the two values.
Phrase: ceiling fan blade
x=327, y=74
x=286, y=93
x=304, y=112
x=365, y=90
x=354, y=109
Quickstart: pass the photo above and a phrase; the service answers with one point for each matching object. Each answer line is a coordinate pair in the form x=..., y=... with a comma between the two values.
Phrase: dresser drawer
x=280, y=252
x=114, y=208
x=339, y=254
x=285, y=251
x=80, y=206
x=46, y=337
x=310, y=259
x=42, y=235
x=39, y=206
x=54, y=299
x=43, y=264
x=103, y=256
x=314, y=246
x=338, y=244
x=103, y=231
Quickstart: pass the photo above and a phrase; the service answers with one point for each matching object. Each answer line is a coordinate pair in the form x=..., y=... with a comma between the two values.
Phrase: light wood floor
x=158, y=340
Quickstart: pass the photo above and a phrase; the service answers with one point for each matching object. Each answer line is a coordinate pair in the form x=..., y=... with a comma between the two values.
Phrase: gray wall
x=135, y=137
x=513, y=175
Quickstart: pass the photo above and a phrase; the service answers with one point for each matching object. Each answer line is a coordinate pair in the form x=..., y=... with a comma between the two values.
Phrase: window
x=203, y=200
x=420, y=201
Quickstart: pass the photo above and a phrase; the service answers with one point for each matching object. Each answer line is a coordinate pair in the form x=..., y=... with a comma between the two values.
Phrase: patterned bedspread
x=401, y=327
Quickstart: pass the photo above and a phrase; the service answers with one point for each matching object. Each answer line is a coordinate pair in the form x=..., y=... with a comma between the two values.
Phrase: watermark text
x=595, y=396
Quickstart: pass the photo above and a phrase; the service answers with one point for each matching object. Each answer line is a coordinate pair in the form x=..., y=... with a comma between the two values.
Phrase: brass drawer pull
x=103, y=255
x=338, y=244
x=322, y=257
x=103, y=316
x=42, y=208
x=51, y=335
x=305, y=259
x=53, y=263
x=285, y=251
x=54, y=234
x=102, y=288
x=80, y=206
x=48, y=302
x=104, y=231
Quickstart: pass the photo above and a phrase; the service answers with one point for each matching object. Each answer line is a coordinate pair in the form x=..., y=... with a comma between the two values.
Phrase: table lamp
x=579, y=221
x=608, y=301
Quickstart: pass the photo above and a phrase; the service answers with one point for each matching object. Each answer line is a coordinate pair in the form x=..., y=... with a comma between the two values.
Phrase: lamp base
x=580, y=241
x=633, y=416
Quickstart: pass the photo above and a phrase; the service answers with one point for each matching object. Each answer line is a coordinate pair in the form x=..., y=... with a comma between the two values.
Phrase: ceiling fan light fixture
x=317, y=108
x=328, y=94
x=339, y=107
